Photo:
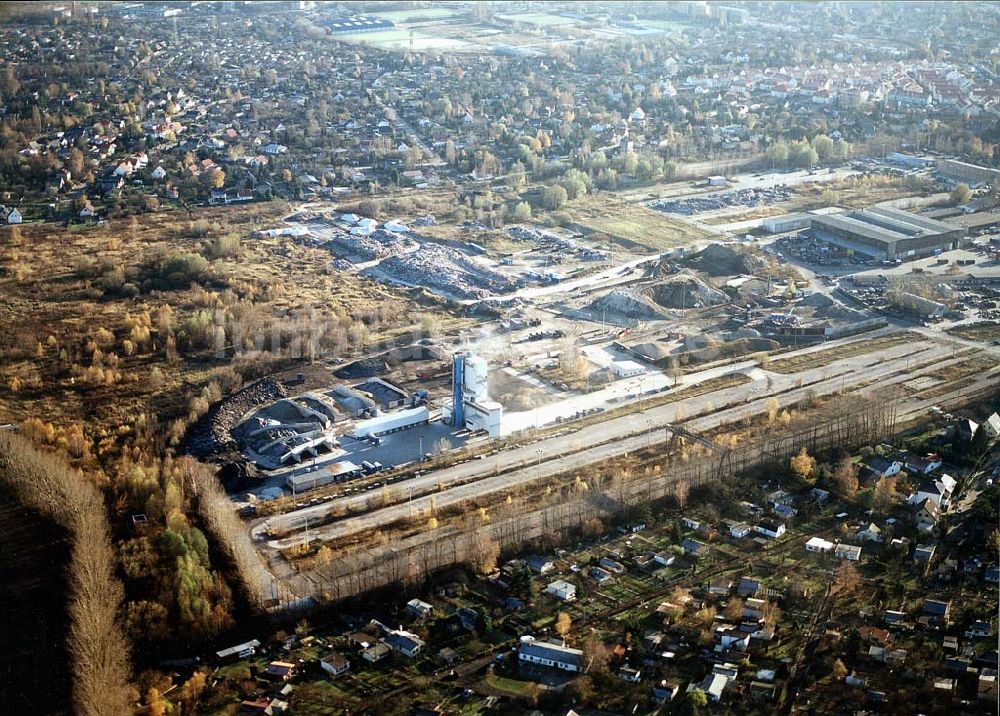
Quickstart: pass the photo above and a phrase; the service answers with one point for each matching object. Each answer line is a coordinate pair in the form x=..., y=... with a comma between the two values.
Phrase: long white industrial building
x=391, y=422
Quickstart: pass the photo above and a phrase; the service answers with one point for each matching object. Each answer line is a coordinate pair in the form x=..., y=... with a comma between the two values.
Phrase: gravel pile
x=212, y=433
x=444, y=269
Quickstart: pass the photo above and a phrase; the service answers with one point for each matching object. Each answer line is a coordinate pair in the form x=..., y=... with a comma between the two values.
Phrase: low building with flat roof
x=883, y=233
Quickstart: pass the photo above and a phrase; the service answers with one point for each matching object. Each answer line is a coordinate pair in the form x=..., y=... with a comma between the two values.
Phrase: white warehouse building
x=391, y=422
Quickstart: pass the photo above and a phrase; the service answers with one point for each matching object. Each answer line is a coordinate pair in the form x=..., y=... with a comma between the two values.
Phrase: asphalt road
x=617, y=436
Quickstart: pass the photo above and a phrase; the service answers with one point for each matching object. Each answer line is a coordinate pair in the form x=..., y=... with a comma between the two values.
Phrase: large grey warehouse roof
x=883, y=225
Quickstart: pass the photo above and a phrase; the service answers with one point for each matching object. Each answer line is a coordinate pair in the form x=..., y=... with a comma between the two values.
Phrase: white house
x=561, y=589
x=818, y=544
x=158, y=173
x=992, y=426
x=419, y=608
x=770, y=528
x=404, y=642
x=335, y=664
x=938, y=491
x=848, y=552
x=557, y=656
x=11, y=215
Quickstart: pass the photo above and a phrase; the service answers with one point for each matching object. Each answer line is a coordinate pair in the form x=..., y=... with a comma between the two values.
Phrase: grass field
x=817, y=359
x=986, y=332
x=632, y=227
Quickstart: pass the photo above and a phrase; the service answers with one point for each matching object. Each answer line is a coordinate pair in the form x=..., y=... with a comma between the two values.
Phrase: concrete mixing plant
x=471, y=405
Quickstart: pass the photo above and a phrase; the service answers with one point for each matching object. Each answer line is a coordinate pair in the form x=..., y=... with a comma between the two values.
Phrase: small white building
x=335, y=664
x=818, y=544
x=558, y=656
x=847, y=551
x=418, y=608
x=717, y=180
x=561, y=589
x=626, y=368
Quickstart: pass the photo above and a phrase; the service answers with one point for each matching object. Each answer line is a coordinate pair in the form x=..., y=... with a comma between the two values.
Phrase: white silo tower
x=476, y=378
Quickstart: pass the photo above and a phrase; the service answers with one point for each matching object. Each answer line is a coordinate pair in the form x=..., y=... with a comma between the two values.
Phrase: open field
x=151, y=349
x=985, y=333
x=632, y=227
x=826, y=356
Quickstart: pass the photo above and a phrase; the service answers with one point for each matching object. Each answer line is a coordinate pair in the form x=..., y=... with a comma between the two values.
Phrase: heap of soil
x=719, y=260
x=685, y=291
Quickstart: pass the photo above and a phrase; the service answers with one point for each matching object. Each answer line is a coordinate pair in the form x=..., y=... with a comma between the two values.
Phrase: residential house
x=665, y=691
x=875, y=635
x=558, y=656
x=720, y=586
x=279, y=671
x=964, y=428
x=611, y=565
x=770, y=528
x=747, y=587
x=10, y=215
x=376, y=652
x=924, y=552
x=818, y=544
x=627, y=673
x=561, y=589
x=690, y=524
x=938, y=490
x=849, y=552
x=927, y=515
x=406, y=643
x=923, y=465
x=599, y=575
x=870, y=533
x=883, y=466
x=158, y=173
x=936, y=612
x=694, y=547
x=539, y=565
x=664, y=559
x=419, y=608
x=468, y=618
x=992, y=426
x=987, y=687
x=992, y=574
x=979, y=630
x=335, y=664
x=713, y=685
x=736, y=529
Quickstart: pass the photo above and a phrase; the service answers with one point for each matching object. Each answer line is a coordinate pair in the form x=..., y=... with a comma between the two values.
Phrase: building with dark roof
x=548, y=654
x=357, y=23
x=887, y=233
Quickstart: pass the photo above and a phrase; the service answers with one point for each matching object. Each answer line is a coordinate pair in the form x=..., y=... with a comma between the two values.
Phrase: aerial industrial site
x=500, y=358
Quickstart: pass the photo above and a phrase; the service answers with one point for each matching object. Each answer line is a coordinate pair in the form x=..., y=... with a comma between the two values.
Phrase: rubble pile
x=444, y=269
x=212, y=433
x=358, y=249
x=743, y=197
